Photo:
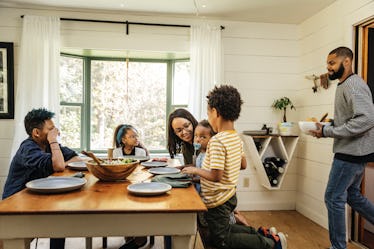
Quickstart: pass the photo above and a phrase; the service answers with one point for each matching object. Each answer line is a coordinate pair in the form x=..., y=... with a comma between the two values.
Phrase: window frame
x=86, y=99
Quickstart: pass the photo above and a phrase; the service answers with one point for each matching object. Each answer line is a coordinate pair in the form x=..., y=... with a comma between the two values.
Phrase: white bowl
x=306, y=126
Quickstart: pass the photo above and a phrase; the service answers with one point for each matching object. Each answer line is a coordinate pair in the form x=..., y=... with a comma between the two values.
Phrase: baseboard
x=265, y=206
x=311, y=214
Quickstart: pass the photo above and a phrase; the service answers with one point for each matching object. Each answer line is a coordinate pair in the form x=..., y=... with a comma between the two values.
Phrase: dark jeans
x=344, y=186
x=232, y=236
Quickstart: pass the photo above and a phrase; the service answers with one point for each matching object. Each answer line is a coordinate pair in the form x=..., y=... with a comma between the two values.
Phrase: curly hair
x=226, y=100
x=174, y=142
x=36, y=119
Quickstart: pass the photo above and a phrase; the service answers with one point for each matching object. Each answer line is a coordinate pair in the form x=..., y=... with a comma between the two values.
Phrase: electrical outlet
x=246, y=182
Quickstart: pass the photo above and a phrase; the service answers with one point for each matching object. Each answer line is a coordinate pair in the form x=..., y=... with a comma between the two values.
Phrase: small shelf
x=257, y=148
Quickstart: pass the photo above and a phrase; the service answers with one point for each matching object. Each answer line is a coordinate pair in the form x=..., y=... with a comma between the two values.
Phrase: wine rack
x=270, y=155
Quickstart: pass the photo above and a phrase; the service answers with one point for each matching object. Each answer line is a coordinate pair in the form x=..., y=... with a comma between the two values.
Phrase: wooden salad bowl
x=112, y=170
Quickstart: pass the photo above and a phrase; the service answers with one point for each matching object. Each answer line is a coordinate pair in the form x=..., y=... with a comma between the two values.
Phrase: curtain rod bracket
x=127, y=27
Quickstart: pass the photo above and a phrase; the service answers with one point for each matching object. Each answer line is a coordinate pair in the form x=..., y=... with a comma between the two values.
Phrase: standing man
x=353, y=135
x=38, y=156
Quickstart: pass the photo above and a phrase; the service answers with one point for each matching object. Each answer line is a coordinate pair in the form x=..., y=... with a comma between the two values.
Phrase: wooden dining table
x=100, y=209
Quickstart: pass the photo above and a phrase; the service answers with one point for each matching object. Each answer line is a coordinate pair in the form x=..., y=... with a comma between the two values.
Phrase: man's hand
x=52, y=135
x=317, y=133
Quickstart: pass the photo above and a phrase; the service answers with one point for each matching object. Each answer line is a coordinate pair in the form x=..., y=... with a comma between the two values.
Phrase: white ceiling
x=270, y=11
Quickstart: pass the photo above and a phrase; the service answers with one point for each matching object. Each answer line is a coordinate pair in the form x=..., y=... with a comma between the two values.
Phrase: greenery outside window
x=97, y=94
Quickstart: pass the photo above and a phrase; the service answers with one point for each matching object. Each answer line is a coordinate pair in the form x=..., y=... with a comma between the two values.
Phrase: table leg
x=180, y=242
x=16, y=243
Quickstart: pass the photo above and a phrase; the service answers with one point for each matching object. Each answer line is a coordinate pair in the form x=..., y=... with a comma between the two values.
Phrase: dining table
x=100, y=209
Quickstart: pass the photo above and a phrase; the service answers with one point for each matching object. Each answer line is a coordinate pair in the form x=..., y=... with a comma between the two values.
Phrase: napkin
x=175, y=180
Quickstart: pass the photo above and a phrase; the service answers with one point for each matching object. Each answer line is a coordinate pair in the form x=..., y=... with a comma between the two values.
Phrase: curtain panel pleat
x=206, y=62
x=38, y=71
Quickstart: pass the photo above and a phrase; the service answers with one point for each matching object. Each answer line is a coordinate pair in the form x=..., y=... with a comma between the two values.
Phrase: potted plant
x=282, y=104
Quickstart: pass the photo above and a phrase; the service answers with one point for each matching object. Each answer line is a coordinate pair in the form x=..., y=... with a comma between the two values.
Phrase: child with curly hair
x=219, y=177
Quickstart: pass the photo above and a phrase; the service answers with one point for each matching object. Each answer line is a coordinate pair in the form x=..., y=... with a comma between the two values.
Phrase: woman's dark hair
x=226, y=100
x=206, y=124
x=36, y=119
x=174, y=142
x=119, y=132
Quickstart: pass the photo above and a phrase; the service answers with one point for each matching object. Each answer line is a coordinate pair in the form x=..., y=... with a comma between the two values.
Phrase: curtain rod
x=127, y=23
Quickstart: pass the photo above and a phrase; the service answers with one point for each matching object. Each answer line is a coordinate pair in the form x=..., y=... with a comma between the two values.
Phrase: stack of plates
x=154, y=164
x=164, y=171
x=78, y=165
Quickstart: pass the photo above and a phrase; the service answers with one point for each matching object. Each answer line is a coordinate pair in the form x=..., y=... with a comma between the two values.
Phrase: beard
x=338, y=74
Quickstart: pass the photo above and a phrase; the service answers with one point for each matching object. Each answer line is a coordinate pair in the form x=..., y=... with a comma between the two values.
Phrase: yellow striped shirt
x=224, y=152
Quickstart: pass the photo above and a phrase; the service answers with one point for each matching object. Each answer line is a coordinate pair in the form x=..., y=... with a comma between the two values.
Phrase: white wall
x=260, y=59
x=328, y=29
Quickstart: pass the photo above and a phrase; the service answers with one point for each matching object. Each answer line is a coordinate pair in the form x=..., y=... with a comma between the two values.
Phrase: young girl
x=203, y=133
x=126, y=142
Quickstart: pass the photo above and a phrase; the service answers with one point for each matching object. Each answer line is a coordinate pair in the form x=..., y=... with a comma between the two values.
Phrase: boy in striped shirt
x=219, y=177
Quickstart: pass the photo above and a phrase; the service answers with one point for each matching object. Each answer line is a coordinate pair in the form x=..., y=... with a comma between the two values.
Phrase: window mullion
x=86, y=119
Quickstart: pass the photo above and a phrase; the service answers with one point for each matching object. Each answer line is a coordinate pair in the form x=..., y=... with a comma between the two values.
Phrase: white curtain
x=206, y=62
x=38, y=71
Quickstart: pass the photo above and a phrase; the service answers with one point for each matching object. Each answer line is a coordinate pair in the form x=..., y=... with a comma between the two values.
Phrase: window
x=97, y=94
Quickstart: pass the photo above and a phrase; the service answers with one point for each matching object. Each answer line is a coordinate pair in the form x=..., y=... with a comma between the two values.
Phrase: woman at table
x=39, y=156
x=181, y=130
x=126, y=142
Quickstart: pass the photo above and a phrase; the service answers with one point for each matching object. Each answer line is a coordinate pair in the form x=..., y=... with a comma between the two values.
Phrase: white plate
x=154, y=164
x=78, y=165
x=306, y=126
x=164, y=171
x=55, y=184
x=148, y=188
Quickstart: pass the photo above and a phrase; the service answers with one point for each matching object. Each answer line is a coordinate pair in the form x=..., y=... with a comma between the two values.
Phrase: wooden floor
x=301, y=233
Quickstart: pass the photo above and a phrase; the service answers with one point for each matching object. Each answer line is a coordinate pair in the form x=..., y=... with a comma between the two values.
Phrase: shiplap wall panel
x=261, y=60
x=266, y=200
x=260, y=46
x=249, y=81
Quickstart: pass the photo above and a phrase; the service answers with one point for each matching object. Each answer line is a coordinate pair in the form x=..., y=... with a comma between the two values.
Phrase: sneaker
x=267, y=231
x=280, y=241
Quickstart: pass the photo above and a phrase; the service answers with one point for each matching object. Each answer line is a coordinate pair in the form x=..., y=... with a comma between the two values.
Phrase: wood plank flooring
x=301, y=233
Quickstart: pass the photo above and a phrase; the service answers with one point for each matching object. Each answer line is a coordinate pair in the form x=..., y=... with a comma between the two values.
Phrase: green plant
x=282, y=104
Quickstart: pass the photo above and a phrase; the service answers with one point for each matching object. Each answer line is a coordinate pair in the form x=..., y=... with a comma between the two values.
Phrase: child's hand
x=189, y=170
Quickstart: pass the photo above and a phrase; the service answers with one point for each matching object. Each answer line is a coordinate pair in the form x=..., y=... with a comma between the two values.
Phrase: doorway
x=362, y=230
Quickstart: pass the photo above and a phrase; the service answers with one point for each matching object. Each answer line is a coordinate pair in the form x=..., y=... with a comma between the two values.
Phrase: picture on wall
x=6, y=81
